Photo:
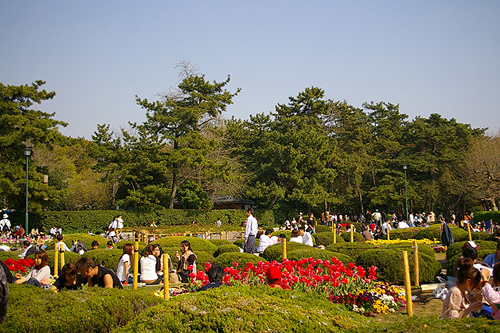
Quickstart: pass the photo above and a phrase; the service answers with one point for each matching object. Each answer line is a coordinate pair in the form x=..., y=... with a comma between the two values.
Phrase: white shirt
x=402, y=225
x=120, y=271
x=297, y=239
x=148, y=268
x=119, y=223
x=113, y=225
x=251, y=227
x=385, y=225
x=264, y=242
x=24, y=251
x=307, y=239
x=38, y=274
x=61, y=246
x=275, y=239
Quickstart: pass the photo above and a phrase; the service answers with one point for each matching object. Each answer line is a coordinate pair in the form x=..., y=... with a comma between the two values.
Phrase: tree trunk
x=272, y=202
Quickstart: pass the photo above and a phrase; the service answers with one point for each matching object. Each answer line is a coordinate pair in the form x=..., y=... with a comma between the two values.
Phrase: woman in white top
x=296, y=237
x=123, y=270
x=148, y=267
x=39, y=274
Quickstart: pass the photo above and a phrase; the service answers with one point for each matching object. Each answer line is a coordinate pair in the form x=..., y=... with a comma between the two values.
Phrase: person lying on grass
x=97, y=274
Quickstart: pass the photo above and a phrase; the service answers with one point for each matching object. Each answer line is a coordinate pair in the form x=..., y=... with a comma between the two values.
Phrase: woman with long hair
x=186, y=261
x=123, y=270
x=39, y=274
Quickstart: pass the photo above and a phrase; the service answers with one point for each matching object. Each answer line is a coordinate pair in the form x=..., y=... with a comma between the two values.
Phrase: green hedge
x=226, y=248
x=432, y=232
x=481, y=235
x=219, y=242
x=317, y=254
x=357, y=237
x=422, y=248
x=405, y=233
x=275, y=252
x=229, y=258
x=120, y=245
x=33, y=309
x=197, y=244
x=96, y=220
x=493, y=216
x=240, y=243
x=352, y=250
x=389, y=265
x=85, y=238
x=323, y=228
x=481, y=254
x=455, y=249
x=326, y=238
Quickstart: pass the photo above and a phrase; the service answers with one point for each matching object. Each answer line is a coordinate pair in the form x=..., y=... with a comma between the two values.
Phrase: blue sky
x=428, y=56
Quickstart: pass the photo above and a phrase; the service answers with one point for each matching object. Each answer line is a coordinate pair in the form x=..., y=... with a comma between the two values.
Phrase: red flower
x=235, y=264
x=335, y=283
x=207, y=266
x=190, y=267
x=344, y=280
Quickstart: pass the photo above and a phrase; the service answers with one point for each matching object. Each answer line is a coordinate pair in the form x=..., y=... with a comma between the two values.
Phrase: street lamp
x=405, y=166
x=27, y=153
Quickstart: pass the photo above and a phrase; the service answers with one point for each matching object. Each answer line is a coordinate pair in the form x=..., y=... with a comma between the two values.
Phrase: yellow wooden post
x=334, y=229
x=284, y=248
x=416, y=264
x=388, y=232
x=56, y=260
x=406, y=267
x=136, y=264
x=165, y=277
x=352, y=233
x=470, y=235
x=227, y=237
x=62, y=259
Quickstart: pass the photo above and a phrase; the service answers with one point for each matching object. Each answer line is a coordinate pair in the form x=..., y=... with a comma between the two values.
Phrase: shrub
x=120, y=245
x=481, y=254
x=240, y=243
x=88, y=310
x=274, y=252
x=481, y=235
x=455, y=249
x=357, y=237
x=229, y=258
x=352, y=250
x=432, y=232
x=226, y=248
x=287, y=233
x=390, y=266
x=246, y=309
x=219, y=242
x=326, y=238
x=404, y=233
x=422, y=248
x=317, y=254
x=323, y=228
x=486, y=215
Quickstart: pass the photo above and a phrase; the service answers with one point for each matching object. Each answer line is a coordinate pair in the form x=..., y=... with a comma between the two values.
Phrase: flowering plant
x=19, y=266
x=439, y=249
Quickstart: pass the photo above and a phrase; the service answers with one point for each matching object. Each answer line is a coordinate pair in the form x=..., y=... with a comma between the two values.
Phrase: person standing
x=251, y=227
x=4, y=223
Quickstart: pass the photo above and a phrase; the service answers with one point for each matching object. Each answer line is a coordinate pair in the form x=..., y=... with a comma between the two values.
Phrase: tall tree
x=21, y=125
x=179, y=121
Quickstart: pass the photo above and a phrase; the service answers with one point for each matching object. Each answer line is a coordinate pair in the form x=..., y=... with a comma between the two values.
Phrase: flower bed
x=349, y=284
x=19, y=266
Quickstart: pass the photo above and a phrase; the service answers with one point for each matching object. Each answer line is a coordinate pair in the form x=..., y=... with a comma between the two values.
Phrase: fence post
x=406, y=268
x=62, y=259
x=56, y=260
x=166, y=276
x=334, y=229
x=136, y=264
x=468, y=228
x=416, y=264
x=352, y=233
x=227, y=237
x=388, y=232
x=284, y=248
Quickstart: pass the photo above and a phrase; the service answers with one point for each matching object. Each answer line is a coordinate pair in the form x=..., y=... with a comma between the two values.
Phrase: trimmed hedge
x=197, y=244
x=352, y=250
x=432, y=232
x=240, y=243
x=357, y=237
x=219, y=242
x=326, y=238
x=481, y=254
x=85, y=238
x=486, y=215
x=33, y=309
x=275, y=252
x=317, y=254
x=405, y=233
x=389, y=265
x=229, y=258
x=226, y=248
x=323, y=228
x=455, y=249
x=481, y=235
x=120, y=245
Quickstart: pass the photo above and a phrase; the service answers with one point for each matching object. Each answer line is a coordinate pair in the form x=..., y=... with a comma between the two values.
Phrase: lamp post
x=405, y=166
x=27, y=153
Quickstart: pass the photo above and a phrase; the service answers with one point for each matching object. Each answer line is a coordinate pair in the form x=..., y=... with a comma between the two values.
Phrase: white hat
x=5, y=216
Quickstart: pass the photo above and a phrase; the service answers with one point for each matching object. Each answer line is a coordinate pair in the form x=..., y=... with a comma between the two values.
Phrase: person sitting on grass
x=28, y=249
x=274, y=275
x=306, y=236
x=215, y=276
x=109, y=245
x=491, y=295
x=123, y=270
x=39, y=274
x=187, y=263
x=95, y=245
x=460, y=302
x=69, y=279
x=61, y=246
x=97, y=274
x=265, y=240
x=296, y=237
x=148, y=267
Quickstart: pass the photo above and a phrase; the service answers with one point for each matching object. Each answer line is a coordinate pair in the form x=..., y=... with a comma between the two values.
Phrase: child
x=39, y=274
x=95, y=245
x=458, y=302
x=61, y=246
x=124, y=265
x=109, y=245
x=97, y=274
x=69, y=279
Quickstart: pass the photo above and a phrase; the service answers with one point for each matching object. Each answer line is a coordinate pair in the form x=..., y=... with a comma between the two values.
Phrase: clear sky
x=427, y=56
